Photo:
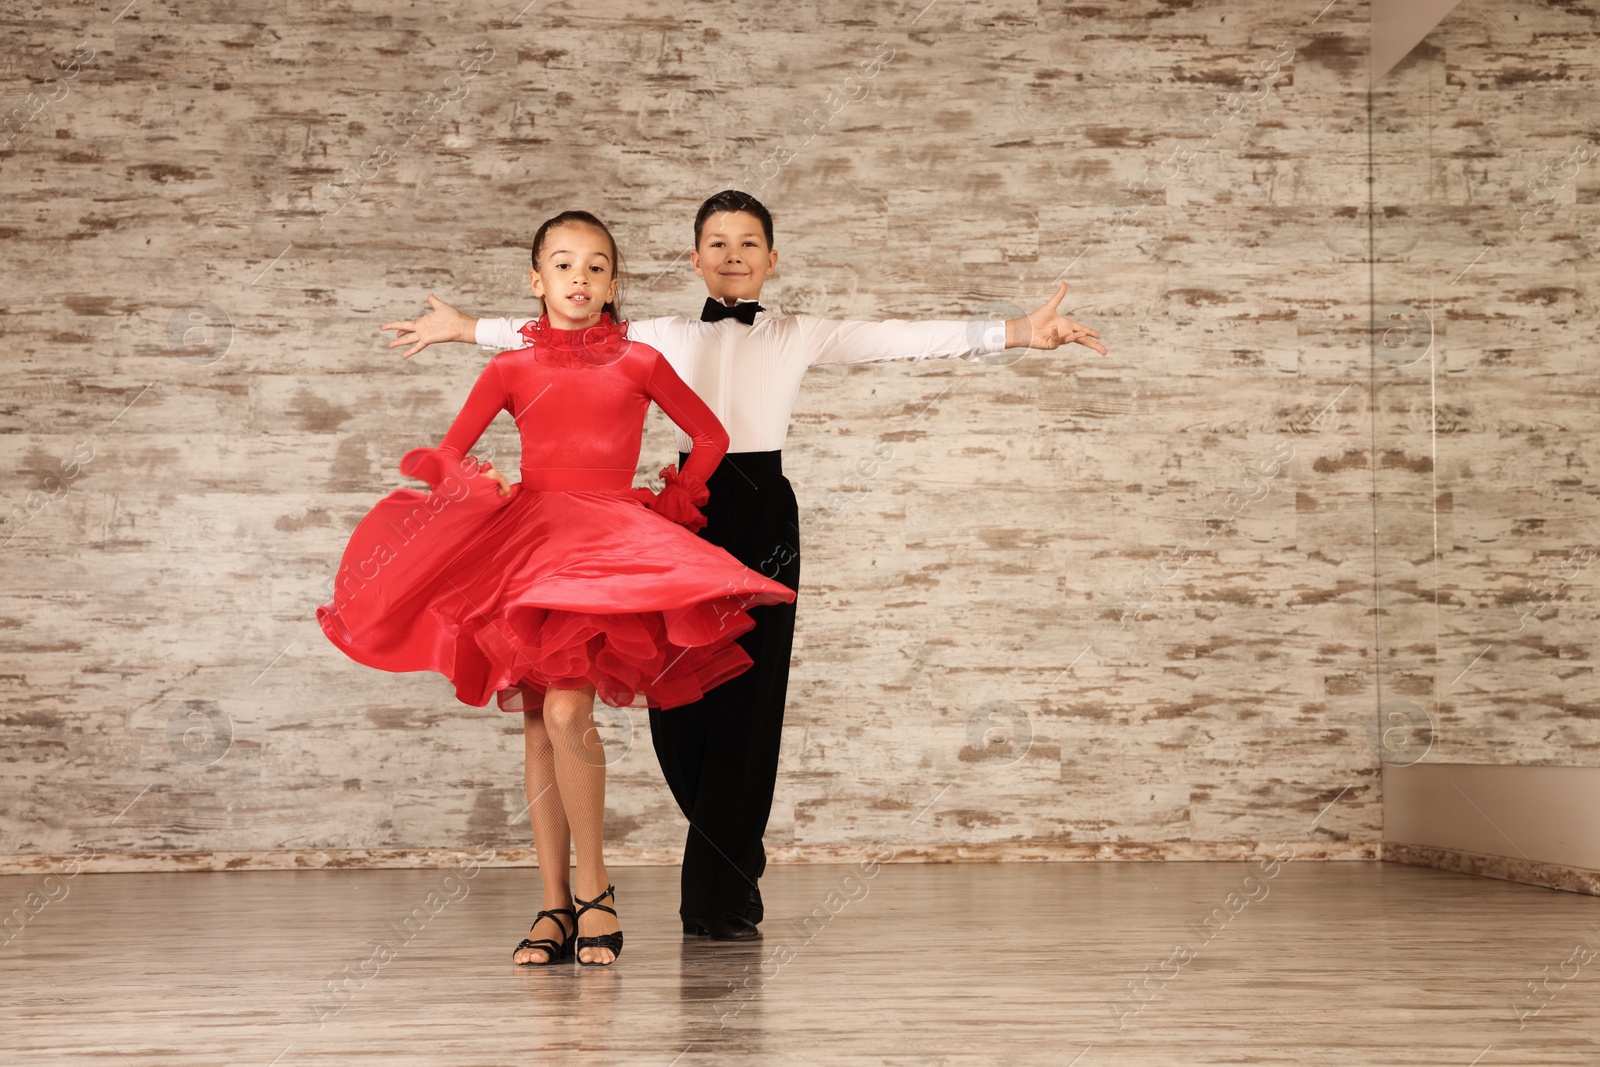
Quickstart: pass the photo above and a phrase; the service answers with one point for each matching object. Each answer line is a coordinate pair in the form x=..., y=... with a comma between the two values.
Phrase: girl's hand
x=489, y=472
x=1045, y=327
x=444, y=323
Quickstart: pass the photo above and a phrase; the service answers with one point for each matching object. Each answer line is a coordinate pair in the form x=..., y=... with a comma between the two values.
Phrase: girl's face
x=733, y=256
x=575, y=277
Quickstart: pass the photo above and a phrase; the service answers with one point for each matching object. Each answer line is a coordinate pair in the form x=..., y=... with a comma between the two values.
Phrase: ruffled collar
x=594, y=346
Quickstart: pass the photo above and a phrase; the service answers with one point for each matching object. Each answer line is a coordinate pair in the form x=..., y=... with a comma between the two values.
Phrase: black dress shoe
x=753, y=913
x=724, y=927
x=753, y=910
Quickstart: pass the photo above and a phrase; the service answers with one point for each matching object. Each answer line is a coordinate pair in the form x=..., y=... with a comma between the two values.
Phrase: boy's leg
x=678, y=736
x=744, y=724
x=744, y=733
x=724, y=752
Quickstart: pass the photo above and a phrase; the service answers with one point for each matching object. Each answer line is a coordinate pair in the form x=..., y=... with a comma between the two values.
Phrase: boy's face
x=733, y=256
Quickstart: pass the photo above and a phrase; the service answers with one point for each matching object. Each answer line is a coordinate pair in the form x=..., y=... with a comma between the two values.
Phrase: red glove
x=679, y=500
x=434, y=465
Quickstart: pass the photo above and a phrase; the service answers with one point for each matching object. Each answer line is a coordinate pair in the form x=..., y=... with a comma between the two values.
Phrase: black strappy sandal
x=610, y=941
x=553, y=952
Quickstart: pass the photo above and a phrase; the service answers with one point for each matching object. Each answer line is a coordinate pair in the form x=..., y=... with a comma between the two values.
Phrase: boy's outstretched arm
x=440, y=325
x=874, y=341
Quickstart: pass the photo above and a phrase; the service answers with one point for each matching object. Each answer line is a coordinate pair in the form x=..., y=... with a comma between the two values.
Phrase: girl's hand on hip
x=500, y=479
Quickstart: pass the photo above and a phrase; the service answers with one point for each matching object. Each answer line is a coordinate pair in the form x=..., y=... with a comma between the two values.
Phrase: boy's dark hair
x=732, y=200
x=586, y=219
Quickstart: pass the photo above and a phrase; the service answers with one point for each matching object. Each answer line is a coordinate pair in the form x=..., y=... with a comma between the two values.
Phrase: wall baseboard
x=1531, y=823
x=439, y=858
x=1532, y=872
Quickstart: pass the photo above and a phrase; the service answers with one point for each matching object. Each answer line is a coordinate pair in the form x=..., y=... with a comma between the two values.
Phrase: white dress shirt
x=750, y=375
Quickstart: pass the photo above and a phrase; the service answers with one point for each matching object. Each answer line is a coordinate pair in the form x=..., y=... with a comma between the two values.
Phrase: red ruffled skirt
x=514, y=595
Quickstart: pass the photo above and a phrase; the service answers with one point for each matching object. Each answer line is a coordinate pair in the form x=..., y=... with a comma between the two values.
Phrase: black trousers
x=720, y=754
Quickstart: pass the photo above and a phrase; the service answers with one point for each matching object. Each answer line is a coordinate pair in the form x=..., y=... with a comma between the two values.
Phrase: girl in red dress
x=565, y=584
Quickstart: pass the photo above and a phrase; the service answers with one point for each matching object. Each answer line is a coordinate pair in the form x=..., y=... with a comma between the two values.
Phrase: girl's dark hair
x=585, y=219
x=732, y=200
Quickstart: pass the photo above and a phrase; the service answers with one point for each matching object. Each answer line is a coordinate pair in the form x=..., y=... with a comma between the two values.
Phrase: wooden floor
x=1329, y=963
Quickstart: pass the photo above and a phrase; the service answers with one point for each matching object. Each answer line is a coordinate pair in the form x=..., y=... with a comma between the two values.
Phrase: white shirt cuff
x=986, y=335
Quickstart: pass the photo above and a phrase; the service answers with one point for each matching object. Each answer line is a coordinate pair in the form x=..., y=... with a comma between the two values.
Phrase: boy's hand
x=1045, y=327
x=443, y=324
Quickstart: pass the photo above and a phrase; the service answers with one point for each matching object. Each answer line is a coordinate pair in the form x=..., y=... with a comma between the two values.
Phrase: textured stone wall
x=1070, y=603
x=1488, y=165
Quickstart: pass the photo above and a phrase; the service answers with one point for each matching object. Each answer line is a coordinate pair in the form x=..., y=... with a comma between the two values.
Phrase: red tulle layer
x=514, y=595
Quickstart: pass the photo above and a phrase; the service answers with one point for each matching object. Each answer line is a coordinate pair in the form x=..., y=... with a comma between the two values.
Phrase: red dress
x=574, y=579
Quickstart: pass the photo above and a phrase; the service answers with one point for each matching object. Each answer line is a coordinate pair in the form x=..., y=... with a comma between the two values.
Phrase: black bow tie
x=716, y=311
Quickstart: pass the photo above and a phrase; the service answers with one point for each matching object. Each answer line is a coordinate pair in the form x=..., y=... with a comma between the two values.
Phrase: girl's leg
x=552, y=839
x=580, y=770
